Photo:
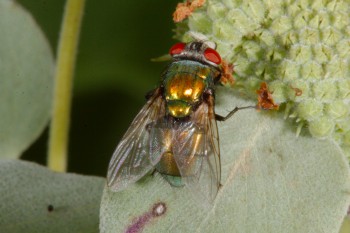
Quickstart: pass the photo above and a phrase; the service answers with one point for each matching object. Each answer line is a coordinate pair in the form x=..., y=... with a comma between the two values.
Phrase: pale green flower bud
x=300, y=48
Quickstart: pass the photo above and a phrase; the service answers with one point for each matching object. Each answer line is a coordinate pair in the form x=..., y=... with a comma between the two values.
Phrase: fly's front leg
x=230, y=114
x=155, y=92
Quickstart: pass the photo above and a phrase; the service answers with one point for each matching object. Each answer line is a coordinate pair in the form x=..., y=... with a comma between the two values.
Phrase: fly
x=175, y=132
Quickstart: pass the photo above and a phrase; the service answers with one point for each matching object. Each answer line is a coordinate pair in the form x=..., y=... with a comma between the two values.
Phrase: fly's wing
x=131, y=159
x=197, y=152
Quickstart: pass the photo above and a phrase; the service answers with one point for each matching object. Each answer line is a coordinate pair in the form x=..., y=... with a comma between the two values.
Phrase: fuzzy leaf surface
x=272, y=181
x=34, y=199
x=26, y=79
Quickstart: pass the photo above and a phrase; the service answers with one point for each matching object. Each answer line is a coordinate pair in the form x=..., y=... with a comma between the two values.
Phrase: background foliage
x=113, y=72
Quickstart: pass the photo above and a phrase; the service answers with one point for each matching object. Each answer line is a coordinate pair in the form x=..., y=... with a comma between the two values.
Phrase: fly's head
x=198, y=51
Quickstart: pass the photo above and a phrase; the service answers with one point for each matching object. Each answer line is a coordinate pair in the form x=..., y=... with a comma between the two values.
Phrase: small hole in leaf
x=50, y=208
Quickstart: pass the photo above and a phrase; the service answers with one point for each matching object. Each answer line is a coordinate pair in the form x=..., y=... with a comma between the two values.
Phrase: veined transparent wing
x=197, y=152
x=131, y=159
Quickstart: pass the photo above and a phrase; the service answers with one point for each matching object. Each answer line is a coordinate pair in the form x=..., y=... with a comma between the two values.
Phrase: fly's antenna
x=197, y=36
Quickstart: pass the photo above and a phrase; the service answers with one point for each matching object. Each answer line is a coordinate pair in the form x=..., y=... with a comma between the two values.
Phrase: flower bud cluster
x=301, y=48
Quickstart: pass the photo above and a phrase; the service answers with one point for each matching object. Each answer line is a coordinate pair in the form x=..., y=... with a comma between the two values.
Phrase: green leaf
x=272, y=181
x=26, y=79
x=35, y=199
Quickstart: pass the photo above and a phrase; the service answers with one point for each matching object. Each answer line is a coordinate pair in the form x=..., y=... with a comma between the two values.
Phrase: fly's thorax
x=184, y=84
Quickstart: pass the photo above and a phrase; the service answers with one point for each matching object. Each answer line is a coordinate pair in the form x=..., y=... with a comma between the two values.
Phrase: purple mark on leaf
x=139, y=224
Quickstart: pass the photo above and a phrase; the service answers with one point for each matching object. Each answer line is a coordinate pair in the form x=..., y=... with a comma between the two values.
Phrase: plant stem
x=66, y=56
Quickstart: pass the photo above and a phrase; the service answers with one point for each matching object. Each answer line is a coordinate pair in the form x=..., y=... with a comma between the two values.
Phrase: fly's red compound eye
x=177, y=48
x=212, y=56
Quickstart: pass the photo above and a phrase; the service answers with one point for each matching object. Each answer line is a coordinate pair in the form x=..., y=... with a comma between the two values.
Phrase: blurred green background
x=113, y=72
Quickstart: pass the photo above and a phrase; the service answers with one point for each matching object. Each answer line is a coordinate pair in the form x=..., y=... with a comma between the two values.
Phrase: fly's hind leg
x=230, y=114
x=209, y=98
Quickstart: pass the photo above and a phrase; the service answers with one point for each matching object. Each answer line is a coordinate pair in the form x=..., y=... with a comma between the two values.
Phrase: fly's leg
x=154, y=92
x=209, y=98
x=230, y=114
x=153, y=172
